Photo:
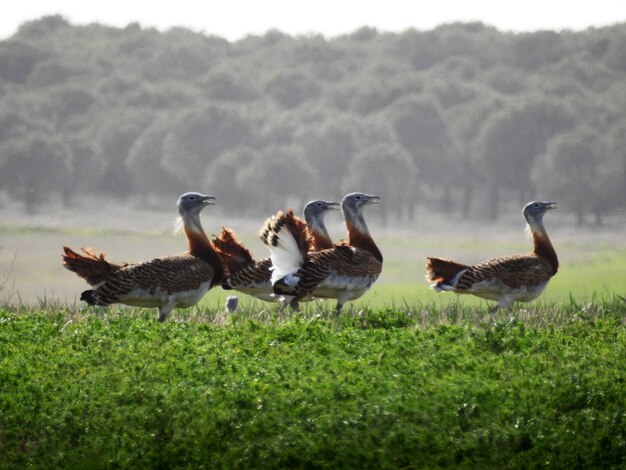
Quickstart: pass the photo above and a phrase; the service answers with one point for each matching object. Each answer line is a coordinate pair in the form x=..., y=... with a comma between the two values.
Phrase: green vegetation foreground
x=538, y=387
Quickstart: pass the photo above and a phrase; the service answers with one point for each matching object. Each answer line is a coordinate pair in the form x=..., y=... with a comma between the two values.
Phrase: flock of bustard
x=304, y=264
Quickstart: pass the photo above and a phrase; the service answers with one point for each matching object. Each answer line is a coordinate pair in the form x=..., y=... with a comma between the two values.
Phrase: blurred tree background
x=462, y=119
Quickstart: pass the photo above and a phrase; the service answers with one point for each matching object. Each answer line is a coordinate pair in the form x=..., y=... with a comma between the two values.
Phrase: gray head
x=534, y=211
x=193, y=203
x=352, y=207
x=354, y=202
x=315, y=210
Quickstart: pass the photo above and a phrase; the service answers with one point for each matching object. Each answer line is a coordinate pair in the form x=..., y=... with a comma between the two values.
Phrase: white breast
x=348, y=287
x=159, y=297
x=495, y=289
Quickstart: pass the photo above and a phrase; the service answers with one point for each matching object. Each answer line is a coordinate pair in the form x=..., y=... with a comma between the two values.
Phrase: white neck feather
x=177, y=226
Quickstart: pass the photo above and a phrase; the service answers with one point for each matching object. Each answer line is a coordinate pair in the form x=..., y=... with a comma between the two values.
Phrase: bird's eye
x=536, y=204
x=319, y=204
x=358, y=198
x=191, y=198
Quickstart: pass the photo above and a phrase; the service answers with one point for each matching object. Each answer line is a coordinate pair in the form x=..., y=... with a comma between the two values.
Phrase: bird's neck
x=201, y=247
x=542, y=244
x=359, y=237
x=321, y=239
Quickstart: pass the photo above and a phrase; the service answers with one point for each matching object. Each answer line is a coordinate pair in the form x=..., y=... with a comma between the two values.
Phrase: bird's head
x=352, y=206
x=193, y=203
x=316, y=209
x=354, y=203
x=534, y=211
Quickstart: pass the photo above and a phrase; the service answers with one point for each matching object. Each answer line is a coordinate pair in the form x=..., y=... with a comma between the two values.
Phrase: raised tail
x=91, y=267
x=444, y=274
x=289, y=242
x=234, y=255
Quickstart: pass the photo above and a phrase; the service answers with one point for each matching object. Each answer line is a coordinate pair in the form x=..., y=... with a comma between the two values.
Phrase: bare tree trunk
x=598, y=217
x=494, y=203
x=468, y=195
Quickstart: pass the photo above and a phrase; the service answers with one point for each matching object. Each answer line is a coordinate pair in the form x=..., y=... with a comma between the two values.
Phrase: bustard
x=166, y=283
x=252, y=277
x=344, y=272
x=506, y=279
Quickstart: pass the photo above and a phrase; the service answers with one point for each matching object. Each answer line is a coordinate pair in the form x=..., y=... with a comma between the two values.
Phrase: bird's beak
x=333, y=205
x=208, y=200
x=373, y=199
x=550, y=205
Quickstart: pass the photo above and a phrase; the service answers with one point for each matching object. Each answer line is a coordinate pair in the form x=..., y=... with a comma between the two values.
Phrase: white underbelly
x=496, y=290
x=262, y=292
x=348, y=287
x=160, y=298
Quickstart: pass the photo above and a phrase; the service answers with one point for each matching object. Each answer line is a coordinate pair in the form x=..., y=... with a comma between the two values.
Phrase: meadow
x=404, y=377
x=421, y=387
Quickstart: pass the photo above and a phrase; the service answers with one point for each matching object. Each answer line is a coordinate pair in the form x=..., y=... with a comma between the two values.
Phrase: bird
x=245, y=274
x=232, y=303
x=343, y=272
x=177, y=281
x=505, y=279
x=314, y=213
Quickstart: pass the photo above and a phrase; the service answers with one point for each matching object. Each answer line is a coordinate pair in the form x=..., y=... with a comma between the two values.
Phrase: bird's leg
x=504, y=302
x=338, y=309
x=165, y=310
x=294, y=303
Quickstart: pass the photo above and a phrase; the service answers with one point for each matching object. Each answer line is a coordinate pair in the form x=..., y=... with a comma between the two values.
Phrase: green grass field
x=427, y=387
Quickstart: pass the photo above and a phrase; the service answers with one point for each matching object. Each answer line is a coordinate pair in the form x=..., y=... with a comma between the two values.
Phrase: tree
x=43, y=28
x=290, y=89
x=66, y=105
x=224, y=85
x=144, y=163
x=421, y=129
x=616, y=154
x=511, y=139
x=532, y=50
x=329, y=145
x=51, y=72
x=278, y=177
x=34, y=168
x=388, y=171
x=17, y=59
x=221, y=177
x=116, y=138
x=199, y=136
x=576, y=167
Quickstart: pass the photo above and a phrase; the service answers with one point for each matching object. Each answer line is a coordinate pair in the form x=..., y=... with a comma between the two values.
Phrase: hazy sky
x=234, y=19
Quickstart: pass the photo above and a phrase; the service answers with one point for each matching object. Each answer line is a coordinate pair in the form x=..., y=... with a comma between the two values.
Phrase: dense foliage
x=412, y=388
x=461, y=118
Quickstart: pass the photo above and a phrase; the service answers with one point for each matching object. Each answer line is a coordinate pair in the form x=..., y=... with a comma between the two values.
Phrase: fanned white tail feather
x=285, y=255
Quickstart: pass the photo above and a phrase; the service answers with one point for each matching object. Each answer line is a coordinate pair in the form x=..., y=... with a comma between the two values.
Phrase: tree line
x=463, y=119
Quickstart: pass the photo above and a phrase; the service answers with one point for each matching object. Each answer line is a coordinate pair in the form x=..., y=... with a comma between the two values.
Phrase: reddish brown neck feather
x=544, y=249
x=358, y=239
x=320, y=241
x=200, y=247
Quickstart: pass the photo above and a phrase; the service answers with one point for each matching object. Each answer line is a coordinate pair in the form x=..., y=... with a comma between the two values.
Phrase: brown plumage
x=91, y=267
x=165, y=283
x=506, y=279
x=343, y=272
x=252, y=277
x=234, y=255
x=242, y=271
